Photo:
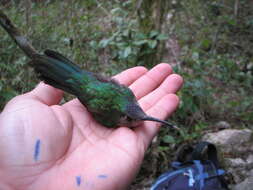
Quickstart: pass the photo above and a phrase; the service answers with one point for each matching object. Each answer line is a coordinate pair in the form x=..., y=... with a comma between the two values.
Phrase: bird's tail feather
x=58, y=71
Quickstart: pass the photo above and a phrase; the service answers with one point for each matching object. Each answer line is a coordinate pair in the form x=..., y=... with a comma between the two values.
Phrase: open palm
x=44, y=145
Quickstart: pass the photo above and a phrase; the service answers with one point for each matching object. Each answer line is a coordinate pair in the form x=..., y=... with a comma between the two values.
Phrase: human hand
x=44, y=145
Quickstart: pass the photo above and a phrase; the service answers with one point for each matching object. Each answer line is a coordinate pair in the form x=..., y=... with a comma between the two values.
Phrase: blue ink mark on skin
x=102, y=176
x=78, y=180
x=37, y=150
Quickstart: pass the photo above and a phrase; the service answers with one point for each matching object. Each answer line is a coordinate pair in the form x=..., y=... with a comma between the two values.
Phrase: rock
x=222, y=125
x=235, y=149
x=229, y=136
x=230, y=140
x=250, y=159
x=236, y=162
x=247, y=184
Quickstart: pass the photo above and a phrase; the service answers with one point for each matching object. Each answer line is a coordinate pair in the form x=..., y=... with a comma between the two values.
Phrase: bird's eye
x=128, y=118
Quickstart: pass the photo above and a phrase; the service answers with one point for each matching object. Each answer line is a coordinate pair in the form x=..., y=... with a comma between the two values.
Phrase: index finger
x=128, y=76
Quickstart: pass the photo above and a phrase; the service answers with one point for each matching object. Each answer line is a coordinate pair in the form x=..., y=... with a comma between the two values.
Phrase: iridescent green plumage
x=110, y=103
x=105, y=98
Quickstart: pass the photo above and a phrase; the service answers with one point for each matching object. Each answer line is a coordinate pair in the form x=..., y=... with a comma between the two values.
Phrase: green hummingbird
x=110, y=103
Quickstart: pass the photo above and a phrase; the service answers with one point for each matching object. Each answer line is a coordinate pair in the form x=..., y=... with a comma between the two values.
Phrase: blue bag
x=194, y=169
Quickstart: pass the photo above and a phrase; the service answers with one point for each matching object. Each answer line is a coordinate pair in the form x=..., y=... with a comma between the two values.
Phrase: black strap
x=187, y=153
x=183, y=153
x=205, y=148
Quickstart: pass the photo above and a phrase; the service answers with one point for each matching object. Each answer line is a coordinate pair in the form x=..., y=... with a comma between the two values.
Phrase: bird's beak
x=149, y=118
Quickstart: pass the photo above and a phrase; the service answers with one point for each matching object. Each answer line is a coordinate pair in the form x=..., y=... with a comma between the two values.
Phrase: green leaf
x=127, y=3
x=153, y=34
x=168, y=139
x=93, y=44
x=141, y=36
x=162, y=37
x=103, y=43
x=140, y=42
x=126, y=33
x=206, y=43
x=195, y=55
x=121, y=45
x=127, y=52
x=152, y=43
x=115, y=10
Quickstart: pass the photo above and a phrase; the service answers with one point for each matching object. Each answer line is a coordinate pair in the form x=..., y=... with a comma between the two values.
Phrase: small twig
x=215, y=38
x=236, y=8
x=138, y=5
x=28, y=5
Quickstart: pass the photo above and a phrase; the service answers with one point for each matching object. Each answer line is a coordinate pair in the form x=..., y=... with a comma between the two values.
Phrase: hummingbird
x=109, y=102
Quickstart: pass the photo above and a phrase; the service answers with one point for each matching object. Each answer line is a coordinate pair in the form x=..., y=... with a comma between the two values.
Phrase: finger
x=46, y=94
x=170, y=85
x=163, y=108
x=128, y=76
x=150, y=80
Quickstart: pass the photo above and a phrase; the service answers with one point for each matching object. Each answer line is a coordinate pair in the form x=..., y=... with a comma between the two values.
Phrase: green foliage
x=216, y=42
x=126, y=42
x=213, y=91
